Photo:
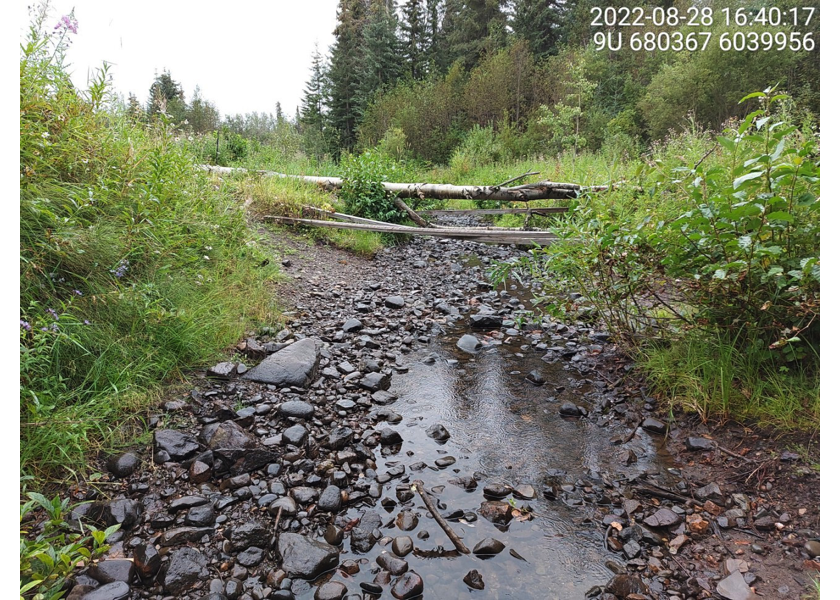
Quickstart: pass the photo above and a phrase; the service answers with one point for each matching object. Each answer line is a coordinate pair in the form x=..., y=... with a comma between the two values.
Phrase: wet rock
x=407, y=586
x=488, y=547
x=485, y=320
x=297, y=409
x=445, y=461
x=305, y=557
x=626, y=585
x=525, y=491
x=295, y=365
x=402, y=545
x=664, y=517
x=535, y=378
x=496, y=512
x=496, y=490
x=654, y=425
x=187, y=502
x=626, y=456
x=699, y=443
x=123, y=465
x=108, y=571
x=332, y=590
x=330, y=500
x=733, y=587
x=200, y=472
x=812, y=547
x=250, y=557
x=569, y=409
x=123, y=512
x=382, y=397
x=371, y=588
x=249, y=534
x=176, y=444
x=187, y=566
x=469, y=343
x=375, y=382
x=438, y=433
x=709, y=492
x=364, y=535
x=393, y=564
x=117, y=590
x=339, y=438
x=474, y=580
x=333, y=535
x=389, y=437
x=407, y=520
x=201, y=516
x=295, y=435
x=147, y=561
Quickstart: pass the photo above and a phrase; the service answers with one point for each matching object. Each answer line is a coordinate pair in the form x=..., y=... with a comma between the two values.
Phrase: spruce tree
x=538, y=22
x=381, y=60
x=470, y=29
x=312, y=111
x=415, y=37
x=344, y=74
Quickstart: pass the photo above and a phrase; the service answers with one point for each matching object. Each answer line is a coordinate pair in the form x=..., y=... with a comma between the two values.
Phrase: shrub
x=362, y=191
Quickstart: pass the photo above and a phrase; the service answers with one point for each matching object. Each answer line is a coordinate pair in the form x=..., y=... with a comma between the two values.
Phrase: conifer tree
x=312, y=111
x=344, y=73
x=415, y=37
x=381, y=60
x=538, y=22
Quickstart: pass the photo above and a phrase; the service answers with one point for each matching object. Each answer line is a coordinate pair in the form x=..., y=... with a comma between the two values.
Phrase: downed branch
x=462, y=548
x=542, y=190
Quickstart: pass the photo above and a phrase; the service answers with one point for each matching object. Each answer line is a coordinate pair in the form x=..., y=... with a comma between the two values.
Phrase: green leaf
x=745, y=242
x=781, y=215
x=719, y=274
x=753, y=95
x=726, y=143
x=743, y=178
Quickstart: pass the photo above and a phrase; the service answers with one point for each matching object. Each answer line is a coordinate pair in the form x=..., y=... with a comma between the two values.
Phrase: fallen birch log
x=543, y=190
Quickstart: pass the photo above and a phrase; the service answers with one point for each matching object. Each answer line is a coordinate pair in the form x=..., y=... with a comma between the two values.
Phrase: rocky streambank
x=293, y=470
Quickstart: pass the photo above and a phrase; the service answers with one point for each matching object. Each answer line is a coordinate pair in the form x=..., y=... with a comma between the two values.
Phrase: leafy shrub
x=49, y=551
x=362, y=191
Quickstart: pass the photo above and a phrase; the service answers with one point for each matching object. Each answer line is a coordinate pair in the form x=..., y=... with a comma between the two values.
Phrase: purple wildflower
x=69, y=23
x=121, y=269
x=53, y=314
x=24, y=325
x=87, y=322
x=78, y=293
x=54, y=326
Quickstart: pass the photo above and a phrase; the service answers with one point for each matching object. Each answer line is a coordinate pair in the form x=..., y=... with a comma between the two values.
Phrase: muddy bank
x=297, y=478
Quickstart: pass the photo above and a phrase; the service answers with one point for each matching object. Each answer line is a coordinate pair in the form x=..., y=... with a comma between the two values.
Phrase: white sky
x=244, y=55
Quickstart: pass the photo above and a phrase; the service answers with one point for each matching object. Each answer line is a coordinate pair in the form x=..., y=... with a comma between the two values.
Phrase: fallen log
x=543, y=190
x=480, y=212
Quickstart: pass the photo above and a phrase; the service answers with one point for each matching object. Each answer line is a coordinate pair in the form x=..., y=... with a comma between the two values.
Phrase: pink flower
x=69, y=23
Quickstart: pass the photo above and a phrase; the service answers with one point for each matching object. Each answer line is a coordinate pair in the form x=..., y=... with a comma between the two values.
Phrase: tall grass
x=134, y=266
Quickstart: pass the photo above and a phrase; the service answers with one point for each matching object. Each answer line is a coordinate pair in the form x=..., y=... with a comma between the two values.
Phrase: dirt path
x=559, y=473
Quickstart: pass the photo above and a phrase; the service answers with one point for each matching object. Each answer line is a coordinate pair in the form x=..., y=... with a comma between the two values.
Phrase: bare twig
x=523, y=176
x=418, y=485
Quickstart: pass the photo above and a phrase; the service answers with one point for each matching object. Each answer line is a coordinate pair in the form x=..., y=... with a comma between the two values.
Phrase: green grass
x=710, y=376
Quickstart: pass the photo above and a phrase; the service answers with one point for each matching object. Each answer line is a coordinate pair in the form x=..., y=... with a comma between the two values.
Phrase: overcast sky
x=244, y=55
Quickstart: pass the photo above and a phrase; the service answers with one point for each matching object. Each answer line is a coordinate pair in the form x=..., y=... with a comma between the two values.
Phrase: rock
x=375, y=382
x=485, y=320
x=389, y=437
x=176, y=444
x=332, y=590
x=496, y=490
x=305, y=557
x=627, y=457
x=438, y=433
x=123, y=465
x=295, y=365
x=371, y=588
x=382, y=397
x=333, y=535
x=117, y=590
x=182, y=535
x=147, y=561
x=709, y=492
x=394, y=302
x=474, y=580
x=699, y=443
x=352, y=325
x=108, y=571
x=496, y=512
x=223, y=370
x=295, y=435
x=535, y=378
x=407, y=586
x=364, y=535
x=812, y=547
x=525, y=491
x=407, y=520
x=297, y=409
x=444, y=462
x=654, y=425
x=201, y=516
x=626, y=585
x=569, y=409
x=226, y=435
x=285, y=505
x=402, y=545
x=124, y=512
x=469, y=343
x=249, y=534
x=733, y=587
x=250, y=557
x=488, y=547
x=186, y=567
x=200, y=472
x=664, y=517
x=393, y=564
x=339, y=438
x=330, y=500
